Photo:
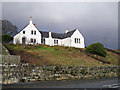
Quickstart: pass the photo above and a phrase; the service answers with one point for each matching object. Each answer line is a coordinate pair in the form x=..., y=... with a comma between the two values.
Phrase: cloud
x=94, y=20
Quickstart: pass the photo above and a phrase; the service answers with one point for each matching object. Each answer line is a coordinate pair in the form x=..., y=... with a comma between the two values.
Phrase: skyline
x=96, y=21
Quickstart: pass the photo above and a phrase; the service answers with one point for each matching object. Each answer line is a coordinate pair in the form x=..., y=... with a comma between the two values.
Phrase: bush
x=96, y=48
x=6, y=38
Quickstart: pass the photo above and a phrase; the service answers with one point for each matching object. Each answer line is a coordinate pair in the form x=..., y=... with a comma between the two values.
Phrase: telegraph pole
x=105, y=40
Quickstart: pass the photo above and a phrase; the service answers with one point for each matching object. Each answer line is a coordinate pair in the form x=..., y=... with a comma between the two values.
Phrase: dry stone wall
x=32, y=73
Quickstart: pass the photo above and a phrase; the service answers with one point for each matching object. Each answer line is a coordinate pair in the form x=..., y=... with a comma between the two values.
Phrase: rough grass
x=58, y=55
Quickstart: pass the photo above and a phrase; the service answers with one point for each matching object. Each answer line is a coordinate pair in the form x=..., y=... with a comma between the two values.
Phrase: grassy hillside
x=59, y=55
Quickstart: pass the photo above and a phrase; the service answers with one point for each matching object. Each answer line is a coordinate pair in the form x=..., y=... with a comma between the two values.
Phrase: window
x=31, y=40
x=55, y=41
x=23, y=32
x=75, y=40
x=34, y=40
x=32, y=32
x=44, y=41
x=79, y=40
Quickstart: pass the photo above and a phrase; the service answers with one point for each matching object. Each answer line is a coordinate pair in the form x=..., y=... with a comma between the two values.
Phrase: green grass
x=112, y=58
x=58, y=55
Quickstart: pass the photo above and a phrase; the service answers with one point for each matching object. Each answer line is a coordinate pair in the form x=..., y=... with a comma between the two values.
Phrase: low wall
x=11, y=59
x=32, y=73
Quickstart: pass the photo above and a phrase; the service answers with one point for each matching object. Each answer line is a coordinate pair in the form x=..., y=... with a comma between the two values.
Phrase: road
x=94, y=83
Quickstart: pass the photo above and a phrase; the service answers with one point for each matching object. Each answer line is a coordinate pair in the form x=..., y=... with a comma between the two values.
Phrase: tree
x=6, y=38
x=8, y=27
x=96, y=48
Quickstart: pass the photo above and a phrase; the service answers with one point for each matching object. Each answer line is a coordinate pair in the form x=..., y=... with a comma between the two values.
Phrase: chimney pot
x=66, y=31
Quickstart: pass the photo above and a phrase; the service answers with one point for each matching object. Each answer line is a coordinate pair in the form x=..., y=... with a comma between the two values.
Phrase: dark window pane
x=34, y=40
x=79, y=40
x=23, y=32
x=75, y=40
x=31, y=40
x=55, y=41
x=44, y=40
x=32, y=32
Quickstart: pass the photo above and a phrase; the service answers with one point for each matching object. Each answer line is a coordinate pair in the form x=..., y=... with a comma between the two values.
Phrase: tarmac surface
x=93, y=83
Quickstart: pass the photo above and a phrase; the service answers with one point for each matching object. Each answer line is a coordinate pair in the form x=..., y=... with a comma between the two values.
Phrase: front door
x=23, y=40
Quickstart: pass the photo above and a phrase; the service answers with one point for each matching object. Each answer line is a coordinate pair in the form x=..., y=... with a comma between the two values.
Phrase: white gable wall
x=28, y=35
x=78, y=35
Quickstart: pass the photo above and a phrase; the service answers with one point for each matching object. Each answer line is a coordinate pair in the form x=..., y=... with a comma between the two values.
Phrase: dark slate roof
x=21, y=30
x=44, y=34
x=57, y=35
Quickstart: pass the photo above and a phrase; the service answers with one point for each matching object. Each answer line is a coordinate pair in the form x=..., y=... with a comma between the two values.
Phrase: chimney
x=49, y=33
x=66, y=31
x=34, y=24
x=30, y=20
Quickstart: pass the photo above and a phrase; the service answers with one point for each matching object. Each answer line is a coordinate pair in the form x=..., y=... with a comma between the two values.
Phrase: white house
x=31, y=35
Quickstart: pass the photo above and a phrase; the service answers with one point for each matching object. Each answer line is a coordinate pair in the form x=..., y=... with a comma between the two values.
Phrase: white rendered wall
x=77, y=34
x=59, y=41
x=49, y=41
x=66, y=42
x=70, y=41
x=28, y=35
x=16, y=39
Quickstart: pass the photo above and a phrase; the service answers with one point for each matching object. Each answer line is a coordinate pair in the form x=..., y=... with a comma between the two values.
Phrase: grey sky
x=95, y=21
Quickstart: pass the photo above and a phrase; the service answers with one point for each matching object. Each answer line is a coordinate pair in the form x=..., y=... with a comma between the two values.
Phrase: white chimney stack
x=30, y=20
x=50, y=34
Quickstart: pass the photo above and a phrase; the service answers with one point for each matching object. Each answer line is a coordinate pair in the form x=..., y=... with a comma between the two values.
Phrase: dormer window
x=23, y=32
x=32, y=32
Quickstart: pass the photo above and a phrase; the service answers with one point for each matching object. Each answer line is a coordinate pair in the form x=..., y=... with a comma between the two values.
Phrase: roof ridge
x=56, y=32
x=57, y=35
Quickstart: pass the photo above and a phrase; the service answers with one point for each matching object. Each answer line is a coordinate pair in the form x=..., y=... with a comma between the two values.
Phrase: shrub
x=96, y=48
x=6, y=38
